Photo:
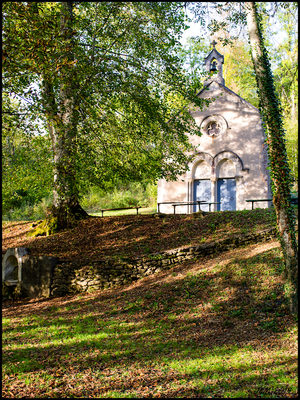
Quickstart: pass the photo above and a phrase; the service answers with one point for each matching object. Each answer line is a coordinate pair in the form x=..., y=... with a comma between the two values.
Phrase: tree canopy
x=120, y=61
x=105, y=81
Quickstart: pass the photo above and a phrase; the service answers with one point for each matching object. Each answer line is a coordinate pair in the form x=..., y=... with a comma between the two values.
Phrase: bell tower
x=213, y=63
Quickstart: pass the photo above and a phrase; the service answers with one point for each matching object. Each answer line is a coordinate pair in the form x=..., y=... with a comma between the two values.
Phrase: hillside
x=218, y=327
x=136, y=235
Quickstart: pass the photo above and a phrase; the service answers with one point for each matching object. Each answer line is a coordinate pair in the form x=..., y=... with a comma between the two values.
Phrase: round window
x=213, y=129
x=213, y=126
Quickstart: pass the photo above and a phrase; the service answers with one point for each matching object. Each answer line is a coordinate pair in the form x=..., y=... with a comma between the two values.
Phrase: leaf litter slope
x=135, y=235
x=218, y=327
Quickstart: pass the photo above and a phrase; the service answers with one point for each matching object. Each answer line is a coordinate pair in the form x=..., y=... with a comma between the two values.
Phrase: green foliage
x=239, y=73
x=28, y=211
x=291, y=128
x=26, y=167
x=270, y=108
x=105, y=81
x=122, y=195
x=193, y=53
x=26, y=161
x=286, y=82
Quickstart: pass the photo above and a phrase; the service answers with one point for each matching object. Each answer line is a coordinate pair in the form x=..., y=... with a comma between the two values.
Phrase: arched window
x=202, y=171
x=225, y=169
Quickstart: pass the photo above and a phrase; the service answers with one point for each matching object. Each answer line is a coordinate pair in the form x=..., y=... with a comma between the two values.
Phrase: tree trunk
x=62, y=123
x=293, y=109
x=280, y=172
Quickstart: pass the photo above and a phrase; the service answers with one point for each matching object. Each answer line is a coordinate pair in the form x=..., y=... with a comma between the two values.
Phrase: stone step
x=11, y=282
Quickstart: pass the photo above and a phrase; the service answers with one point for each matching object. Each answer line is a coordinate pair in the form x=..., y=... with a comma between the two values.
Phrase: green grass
x=221, y=332
x=144, y=210
x=134, y=193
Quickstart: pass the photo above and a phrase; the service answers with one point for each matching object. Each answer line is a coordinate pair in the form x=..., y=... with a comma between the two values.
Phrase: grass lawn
x=203, y=329
x=144, y=210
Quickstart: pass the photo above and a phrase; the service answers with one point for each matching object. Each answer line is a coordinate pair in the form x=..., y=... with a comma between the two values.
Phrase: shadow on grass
x=211, y=327
x=129, y=235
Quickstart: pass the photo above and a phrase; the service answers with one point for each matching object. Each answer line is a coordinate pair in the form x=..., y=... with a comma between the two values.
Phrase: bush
x=130, y=195
x=27, y=211
x=133, y=194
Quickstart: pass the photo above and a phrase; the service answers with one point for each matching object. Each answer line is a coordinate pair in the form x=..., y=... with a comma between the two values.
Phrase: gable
x=215, y=89
x=229, y=122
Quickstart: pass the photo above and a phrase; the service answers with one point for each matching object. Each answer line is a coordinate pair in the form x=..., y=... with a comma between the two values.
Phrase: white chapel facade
x=230, y=163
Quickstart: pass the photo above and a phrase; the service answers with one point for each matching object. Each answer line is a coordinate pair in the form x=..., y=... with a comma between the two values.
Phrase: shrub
x=129, y=195
x=28, y=211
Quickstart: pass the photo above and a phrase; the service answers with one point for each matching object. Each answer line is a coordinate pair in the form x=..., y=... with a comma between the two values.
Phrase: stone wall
x=51, y=276
x=89, y=276
x=37, y=274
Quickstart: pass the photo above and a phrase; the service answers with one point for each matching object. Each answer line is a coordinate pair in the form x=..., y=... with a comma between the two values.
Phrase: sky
x=196, y=29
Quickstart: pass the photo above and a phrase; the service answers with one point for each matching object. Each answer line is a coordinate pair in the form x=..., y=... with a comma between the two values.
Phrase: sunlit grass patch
x=223, y=332
x=146, y=210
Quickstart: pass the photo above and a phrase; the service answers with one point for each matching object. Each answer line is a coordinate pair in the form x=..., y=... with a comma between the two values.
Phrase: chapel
x=230, y=164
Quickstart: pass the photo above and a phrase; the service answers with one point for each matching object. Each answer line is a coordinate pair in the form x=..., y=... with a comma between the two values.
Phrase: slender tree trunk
x=64, y=131
x=293, y=109
x=62, y=123
x=280, y=173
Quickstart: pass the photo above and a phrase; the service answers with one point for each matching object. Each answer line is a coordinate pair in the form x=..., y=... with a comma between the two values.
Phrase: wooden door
x=226, y=194
x=202, y=191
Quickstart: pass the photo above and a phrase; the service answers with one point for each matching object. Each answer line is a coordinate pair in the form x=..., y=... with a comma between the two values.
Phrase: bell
x=213, y=67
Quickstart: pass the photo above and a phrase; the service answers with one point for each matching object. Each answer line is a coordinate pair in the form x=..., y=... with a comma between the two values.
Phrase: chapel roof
x=226, y=89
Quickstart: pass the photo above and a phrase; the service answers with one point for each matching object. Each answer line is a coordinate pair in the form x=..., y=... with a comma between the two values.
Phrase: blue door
x=202, y=191
x=226, y=194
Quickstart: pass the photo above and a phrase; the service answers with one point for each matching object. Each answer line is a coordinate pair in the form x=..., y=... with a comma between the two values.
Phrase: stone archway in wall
x=199, y=180
x=234, y=158
x=228, y=170
x=199, y=159
x=206, y=173
x=225, y=169
x=201, y=189
x=12, y=264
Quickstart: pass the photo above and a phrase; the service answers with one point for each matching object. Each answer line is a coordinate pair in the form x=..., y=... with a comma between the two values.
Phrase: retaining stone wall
x=70, y=277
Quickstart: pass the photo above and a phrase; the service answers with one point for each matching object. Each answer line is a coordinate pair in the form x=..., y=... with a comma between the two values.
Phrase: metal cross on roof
x=213, y=43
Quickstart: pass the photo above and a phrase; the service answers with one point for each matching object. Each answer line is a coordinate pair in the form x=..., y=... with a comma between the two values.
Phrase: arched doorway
x=226, y=185
x=226, y=194
x=202, y=185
